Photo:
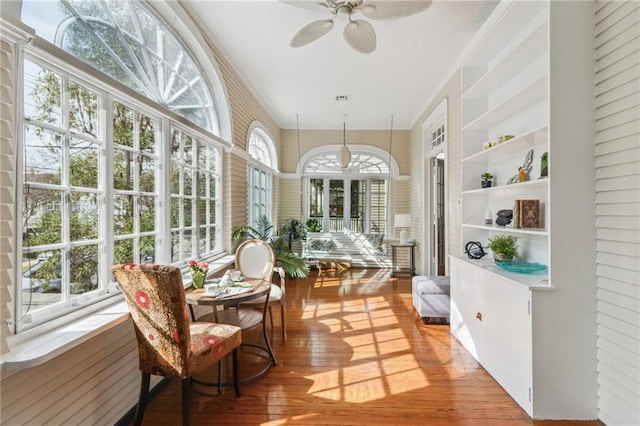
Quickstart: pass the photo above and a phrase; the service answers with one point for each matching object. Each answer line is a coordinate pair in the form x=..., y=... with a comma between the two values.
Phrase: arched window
x=109, y=176
x=355, y=198
x=263, y=161
x=127, y=41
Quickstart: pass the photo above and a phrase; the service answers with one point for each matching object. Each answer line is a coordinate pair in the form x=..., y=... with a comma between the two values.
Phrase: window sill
x=38, y=346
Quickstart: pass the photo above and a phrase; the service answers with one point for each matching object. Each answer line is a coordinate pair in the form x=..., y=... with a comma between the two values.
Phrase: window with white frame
x=261, y=150
x=355, y=198
x=195, y=204
x=94, y=171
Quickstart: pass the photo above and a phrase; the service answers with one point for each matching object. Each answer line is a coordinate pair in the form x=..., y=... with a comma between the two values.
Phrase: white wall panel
x=617, y=150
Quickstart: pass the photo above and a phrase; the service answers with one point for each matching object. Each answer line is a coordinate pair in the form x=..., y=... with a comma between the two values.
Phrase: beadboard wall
x=617, y=151
x=7, y=185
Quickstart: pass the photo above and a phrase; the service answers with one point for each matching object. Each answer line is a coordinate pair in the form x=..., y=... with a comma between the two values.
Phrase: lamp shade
x=344, y=157
x=402, y=220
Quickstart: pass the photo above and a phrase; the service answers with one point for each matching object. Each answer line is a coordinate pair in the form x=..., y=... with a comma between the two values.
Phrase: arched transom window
x=128, y=42
x=361, y=162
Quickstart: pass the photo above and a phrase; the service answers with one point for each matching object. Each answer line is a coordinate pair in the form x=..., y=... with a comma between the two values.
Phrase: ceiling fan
x=358, y=34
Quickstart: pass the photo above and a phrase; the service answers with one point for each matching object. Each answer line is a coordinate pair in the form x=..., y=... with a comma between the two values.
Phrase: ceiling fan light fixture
x=359, y=34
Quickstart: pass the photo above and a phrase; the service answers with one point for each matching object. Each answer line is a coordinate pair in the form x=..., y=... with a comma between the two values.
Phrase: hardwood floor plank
x=356, y=354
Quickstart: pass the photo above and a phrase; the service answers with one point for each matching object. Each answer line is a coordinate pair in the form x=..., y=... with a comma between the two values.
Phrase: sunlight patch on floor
x=379, y=366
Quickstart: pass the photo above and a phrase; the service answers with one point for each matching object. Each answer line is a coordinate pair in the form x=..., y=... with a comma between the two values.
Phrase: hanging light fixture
x=344, y=155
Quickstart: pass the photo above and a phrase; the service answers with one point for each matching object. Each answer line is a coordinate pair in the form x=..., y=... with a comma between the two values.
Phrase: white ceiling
x=415, y=56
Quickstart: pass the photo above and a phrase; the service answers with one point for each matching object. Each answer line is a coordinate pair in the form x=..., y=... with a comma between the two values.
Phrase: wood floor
x=356, y=354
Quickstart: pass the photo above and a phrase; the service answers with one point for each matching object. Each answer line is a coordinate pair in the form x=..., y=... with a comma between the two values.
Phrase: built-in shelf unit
x=515, y=324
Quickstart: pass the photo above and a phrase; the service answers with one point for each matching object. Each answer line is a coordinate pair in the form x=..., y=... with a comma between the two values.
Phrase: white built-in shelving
x=514, y=324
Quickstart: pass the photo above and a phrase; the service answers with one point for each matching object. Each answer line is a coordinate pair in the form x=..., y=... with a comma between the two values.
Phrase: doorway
x=438, y=252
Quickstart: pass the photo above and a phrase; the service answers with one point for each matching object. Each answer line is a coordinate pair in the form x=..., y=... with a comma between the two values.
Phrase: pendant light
x=344, y=155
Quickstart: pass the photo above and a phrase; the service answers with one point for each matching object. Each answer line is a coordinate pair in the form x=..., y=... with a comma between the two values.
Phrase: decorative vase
x=197, y=280
x=486, y=183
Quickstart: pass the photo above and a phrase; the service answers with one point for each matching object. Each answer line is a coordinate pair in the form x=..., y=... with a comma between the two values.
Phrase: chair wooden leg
x=186, y=384
x=284, y=323
x=271, y=316
x=236, y=374
x=142, y=398
x=220, y=377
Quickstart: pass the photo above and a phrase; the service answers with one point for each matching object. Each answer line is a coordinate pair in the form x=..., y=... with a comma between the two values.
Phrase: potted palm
x=293, y=264
x=504, y=247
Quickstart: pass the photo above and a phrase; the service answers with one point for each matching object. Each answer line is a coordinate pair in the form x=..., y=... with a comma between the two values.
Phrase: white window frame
x=326, y=156
x=52, y=57
x=260, y=173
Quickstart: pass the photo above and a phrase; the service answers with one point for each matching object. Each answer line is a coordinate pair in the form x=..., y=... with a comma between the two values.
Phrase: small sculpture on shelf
x=524, y=170
x=504, y=217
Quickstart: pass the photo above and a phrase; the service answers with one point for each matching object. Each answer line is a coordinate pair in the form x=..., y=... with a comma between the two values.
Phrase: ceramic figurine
x=526, y=168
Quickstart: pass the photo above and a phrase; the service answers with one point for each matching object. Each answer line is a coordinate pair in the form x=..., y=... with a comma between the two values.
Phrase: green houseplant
x=504, y=247
x=293, y=264
x=486, y=179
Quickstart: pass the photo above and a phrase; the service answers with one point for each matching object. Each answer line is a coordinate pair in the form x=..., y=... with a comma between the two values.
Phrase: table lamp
x=403, y=221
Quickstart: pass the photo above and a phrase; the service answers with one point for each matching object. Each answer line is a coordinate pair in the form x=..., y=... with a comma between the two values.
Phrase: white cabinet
x=529, y=73
x=492, y=318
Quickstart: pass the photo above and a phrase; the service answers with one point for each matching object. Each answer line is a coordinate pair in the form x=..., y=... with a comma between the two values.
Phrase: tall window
x=261, y=149
x=101, y=181
x=352, y=199
x=62, y=186
x=195, y=205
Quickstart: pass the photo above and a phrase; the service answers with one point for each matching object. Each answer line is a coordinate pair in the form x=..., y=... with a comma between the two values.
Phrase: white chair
x=252, y=262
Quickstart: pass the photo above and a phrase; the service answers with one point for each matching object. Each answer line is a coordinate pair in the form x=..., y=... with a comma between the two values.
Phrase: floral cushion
x=167, y=344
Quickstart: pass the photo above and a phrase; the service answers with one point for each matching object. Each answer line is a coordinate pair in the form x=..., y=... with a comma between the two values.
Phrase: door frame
x=438, y=117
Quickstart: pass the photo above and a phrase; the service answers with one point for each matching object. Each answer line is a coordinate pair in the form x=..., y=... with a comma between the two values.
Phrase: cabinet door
x=505, y=348
x=465, y=294
x=490, y=317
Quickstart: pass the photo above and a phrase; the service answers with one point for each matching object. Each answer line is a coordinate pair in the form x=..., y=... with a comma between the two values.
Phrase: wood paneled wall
x=617, y=151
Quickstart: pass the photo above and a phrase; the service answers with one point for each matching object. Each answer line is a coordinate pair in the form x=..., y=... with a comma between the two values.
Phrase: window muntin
x=135, y=173
x=195, y=202
x=361, y=163
x=62, y=164
x=127, y=41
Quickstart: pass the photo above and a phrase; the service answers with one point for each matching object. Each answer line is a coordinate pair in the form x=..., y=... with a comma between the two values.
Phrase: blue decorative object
x=522, y=267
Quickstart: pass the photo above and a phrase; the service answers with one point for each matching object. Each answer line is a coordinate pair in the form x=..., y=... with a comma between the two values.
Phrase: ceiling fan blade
x=311, y=32
x=386, y=9
x=307, y=4
x=361, y=36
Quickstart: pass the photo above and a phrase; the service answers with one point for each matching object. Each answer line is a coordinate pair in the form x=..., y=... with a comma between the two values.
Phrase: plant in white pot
x=504, y=247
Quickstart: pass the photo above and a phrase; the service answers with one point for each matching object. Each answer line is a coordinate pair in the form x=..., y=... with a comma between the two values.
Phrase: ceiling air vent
x=341, y=98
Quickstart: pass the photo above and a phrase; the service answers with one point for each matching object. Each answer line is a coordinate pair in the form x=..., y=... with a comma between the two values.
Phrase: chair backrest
x=157, y=303
x=255, y=259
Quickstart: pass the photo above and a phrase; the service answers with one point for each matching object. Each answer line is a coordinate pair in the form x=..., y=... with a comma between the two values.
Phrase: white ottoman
x=431, y=298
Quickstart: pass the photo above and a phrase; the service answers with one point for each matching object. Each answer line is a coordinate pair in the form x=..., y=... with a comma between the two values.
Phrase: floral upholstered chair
x=168, y=344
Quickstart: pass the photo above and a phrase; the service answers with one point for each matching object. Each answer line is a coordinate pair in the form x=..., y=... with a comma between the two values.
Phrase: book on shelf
x=526, y=214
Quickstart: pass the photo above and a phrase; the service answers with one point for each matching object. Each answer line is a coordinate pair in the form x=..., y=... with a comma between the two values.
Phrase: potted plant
x=486, y=179
x=293, y=264
x=504, y=247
